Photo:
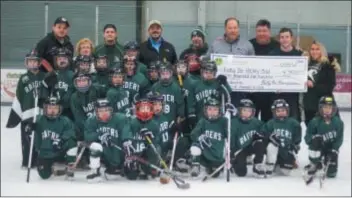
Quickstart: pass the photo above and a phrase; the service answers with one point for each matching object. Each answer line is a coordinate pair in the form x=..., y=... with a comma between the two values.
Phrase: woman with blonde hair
x=321, y=78
x=84, y=52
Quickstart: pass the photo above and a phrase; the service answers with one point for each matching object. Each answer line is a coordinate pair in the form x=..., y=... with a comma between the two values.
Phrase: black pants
x=262, y=102
x=26, y=145
x=240, y=162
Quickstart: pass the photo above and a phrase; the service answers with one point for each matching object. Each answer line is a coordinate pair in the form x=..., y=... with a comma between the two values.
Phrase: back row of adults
x=321, y=69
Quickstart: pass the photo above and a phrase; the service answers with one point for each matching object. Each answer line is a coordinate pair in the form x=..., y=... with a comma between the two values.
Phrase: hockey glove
x=29, y=128
x=57, y=146
x=274, y=140
x=257, y=136
x=231, y=108
x=222, y=80
x=50, y=80
x=128, y=147
x=106, y=139
x=145, y=132
x=204, y=141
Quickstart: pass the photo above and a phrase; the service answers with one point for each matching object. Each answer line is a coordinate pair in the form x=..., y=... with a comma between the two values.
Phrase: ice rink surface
x=13, y=177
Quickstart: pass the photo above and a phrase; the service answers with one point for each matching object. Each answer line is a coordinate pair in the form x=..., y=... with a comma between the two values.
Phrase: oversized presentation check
x=263, y=73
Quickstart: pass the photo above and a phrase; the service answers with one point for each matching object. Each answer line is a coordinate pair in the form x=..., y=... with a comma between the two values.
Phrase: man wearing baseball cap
x=198, y=45
x=49, y=46
x=155, y=48
x=111, y=48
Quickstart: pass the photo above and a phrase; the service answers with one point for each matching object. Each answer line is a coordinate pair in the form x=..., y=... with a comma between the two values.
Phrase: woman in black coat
x=321, y=79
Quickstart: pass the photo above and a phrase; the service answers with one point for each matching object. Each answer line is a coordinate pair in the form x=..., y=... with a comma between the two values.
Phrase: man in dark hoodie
x=263, y=43
x=49, y=46
x=111, y=48
x=198, y=46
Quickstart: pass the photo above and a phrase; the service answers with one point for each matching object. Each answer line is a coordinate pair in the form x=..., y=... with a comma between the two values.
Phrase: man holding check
x=232, y=43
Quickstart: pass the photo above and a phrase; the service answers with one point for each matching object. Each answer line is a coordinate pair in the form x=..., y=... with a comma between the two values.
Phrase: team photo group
x=139, y=111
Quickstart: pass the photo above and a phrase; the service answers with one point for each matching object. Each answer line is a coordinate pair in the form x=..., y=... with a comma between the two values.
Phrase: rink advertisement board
x=263, y=73
x=9, y=79
x=342, y=91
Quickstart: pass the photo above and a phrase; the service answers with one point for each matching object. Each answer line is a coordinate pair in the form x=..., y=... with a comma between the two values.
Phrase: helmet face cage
x=280, y=109
x=144, y=110
x=83, y=64
x=327, y=107
x=208, y=73
x=117, y=79
x=52, y=108
x=158, y=102
x=129, y=65
x=212, y=112
x=82, y=83
x=182, y=68
x=103, y=113
x=246, y=109
x=101, y=64
x=32, y=63
x=61, y=61
x=165, y=75
x=153, y=73
x=193, y=62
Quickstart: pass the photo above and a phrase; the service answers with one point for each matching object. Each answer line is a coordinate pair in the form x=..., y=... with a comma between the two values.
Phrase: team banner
x=263, y=73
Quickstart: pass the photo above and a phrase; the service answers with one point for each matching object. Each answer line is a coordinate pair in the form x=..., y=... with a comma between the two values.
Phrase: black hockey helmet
x=131, y=45
x=153, y=70
x=52, y=107
x=208, y=66
x=165, y=73
x=61, y=59
x=82, y=82
x=156, y=98
x=327, y=107
x=103, y=109
x=101, y=63
x=246, y=104
x=83, y=63
x=117, y=76
x=279, y=104
x=32, y=60
x=211, y=114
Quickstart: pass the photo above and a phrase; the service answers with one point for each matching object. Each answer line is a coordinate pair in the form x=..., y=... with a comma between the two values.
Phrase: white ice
x=13, y=179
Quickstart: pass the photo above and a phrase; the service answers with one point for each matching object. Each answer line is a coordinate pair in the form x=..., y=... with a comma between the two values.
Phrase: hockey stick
x=205, y=178
x=227, y=143
x=36, y=95
x=180, y=183
x=173, y=150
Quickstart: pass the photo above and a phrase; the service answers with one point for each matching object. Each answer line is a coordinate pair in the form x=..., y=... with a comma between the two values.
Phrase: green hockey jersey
x=332, y=132
x=173, y=99
x=242, y=132
x=139, y=142
x=136, y=85
x=216, y=131
x=288, y=131
x=48, y=130
x=118, y=97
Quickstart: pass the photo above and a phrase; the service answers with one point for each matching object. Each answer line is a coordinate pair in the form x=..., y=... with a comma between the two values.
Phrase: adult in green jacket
x=110, y=47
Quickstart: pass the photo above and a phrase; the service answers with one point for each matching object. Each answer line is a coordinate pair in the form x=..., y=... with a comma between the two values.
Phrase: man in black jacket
x=198, y=46
x=263, y=43
x=49, y=46
x=156, y=48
